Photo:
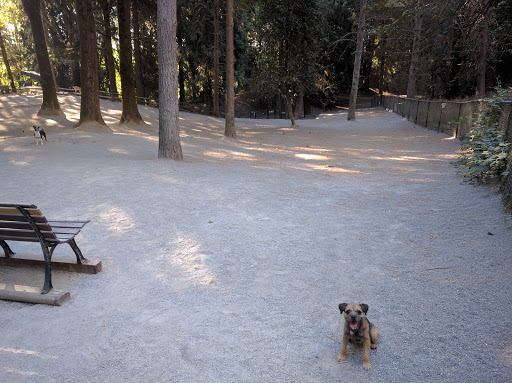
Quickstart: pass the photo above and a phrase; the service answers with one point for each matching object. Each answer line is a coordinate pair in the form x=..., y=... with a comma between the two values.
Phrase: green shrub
x=484, y=149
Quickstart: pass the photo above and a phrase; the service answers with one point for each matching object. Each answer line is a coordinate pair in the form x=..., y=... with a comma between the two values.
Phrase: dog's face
x=354, y=314
x=36, y=128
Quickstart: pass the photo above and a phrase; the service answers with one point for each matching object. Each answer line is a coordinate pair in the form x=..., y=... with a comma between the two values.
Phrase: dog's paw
x=367, y=366
x=373, y=346
x=342, y=357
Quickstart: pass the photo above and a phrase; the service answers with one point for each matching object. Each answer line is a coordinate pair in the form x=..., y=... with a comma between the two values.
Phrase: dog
x=39, y=134
x=358, y=329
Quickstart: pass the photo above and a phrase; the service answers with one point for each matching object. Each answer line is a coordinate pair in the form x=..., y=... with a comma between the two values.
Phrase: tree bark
x=6, y=62
x=482, y=55
x=290, y=108
x=382, y=63
x=109, y=53
x=415, y=54
x=169, y=145
x=130, y=112
x=50, y=105
x=357, y=62
x=90, y=96
x=139, y=81
x=230, y=72
x=216, y=54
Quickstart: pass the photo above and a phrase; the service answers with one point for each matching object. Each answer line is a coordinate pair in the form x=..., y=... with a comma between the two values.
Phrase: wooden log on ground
x=29, y=294
x=90, y=266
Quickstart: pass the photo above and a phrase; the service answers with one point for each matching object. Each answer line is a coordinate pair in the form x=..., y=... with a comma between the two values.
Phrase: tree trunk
x=216, y=54
x=181, y=80
x=290, y=108
x=50, y=105
x=70, y=23
x=230, y=72
x=139, y=81
x=90, y=103
x=415, y=55
x=482, y=56
x=6, y=62
x=307, y=106
x=169, y=145
x=109, y=53
x=357, y=62
x=367, y=69
x=130, y=112
x=382, y=63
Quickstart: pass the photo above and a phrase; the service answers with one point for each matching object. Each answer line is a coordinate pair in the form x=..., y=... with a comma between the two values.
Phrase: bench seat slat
x=26, y=233
x=17, y=204
x=20, y=218
x=26, y=239
x=14, y=211
x=23, y=225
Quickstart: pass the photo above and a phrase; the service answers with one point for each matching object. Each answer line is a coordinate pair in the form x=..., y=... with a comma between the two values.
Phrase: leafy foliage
x=485, y=151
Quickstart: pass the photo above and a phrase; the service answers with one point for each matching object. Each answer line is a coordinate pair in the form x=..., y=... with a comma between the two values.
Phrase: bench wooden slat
x=14, y=211
x=20, y=218
x=23, y=225
x=17, y=204
x=25, y=239
x=26, y=233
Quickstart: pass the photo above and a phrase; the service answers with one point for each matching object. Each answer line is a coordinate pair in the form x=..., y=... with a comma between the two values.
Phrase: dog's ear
x=342, y=307
x=364, y=307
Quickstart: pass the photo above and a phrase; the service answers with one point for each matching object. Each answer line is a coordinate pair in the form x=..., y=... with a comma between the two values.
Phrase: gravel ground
x=230, y=265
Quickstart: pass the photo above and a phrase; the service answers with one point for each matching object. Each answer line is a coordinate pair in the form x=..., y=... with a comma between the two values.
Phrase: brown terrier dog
x=358, y=329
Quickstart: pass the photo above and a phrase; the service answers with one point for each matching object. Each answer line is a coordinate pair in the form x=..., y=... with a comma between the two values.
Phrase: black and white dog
x=39, y=134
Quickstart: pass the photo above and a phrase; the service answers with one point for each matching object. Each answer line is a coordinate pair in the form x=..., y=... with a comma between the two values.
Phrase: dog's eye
x=347, y=312
x=359, y=312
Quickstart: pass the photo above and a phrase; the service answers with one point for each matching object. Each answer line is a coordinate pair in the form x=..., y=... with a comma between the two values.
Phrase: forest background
x=303, y=49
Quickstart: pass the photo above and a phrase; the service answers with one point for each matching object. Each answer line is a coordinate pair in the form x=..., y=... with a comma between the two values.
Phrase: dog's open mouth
x=354, y=326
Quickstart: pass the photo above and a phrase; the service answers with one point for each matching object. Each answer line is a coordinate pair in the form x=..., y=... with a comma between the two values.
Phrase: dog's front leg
x=342, y=356
x=366, y=355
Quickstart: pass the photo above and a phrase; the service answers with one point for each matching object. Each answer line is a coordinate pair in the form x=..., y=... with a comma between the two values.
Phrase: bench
x=26, y=223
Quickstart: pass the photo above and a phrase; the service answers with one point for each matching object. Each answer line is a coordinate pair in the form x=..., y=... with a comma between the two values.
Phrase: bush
x=484, y=150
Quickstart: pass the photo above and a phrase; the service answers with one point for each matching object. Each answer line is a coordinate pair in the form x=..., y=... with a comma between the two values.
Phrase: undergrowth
x=485, y=151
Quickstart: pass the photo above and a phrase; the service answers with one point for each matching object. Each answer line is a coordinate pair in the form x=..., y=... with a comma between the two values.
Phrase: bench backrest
x=15, y=227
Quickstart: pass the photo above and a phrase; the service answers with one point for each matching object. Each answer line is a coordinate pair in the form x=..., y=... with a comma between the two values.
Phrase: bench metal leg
x=79, y=257
x=7, y=250
x=47, y=286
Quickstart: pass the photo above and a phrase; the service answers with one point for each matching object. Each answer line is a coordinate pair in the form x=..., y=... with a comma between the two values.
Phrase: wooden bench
x=27, y=223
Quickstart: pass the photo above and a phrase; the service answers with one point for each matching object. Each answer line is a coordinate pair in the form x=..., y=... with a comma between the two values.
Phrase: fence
x=443, y=116
x=506, y=126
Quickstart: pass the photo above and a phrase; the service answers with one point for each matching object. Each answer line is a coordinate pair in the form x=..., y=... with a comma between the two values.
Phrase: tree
x=6, y=62
x=90, y=97
x=169, y=145
x=415, y=55
x=288, y=56
x=216, y=54
x=130, y=112
x=139, y=83
x=483, y=49
x=50, y=105
x=357, y=62
x=230, y=72
x=109, y=53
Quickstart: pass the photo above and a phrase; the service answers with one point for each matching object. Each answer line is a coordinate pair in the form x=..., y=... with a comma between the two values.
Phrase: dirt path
x=229, y=266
